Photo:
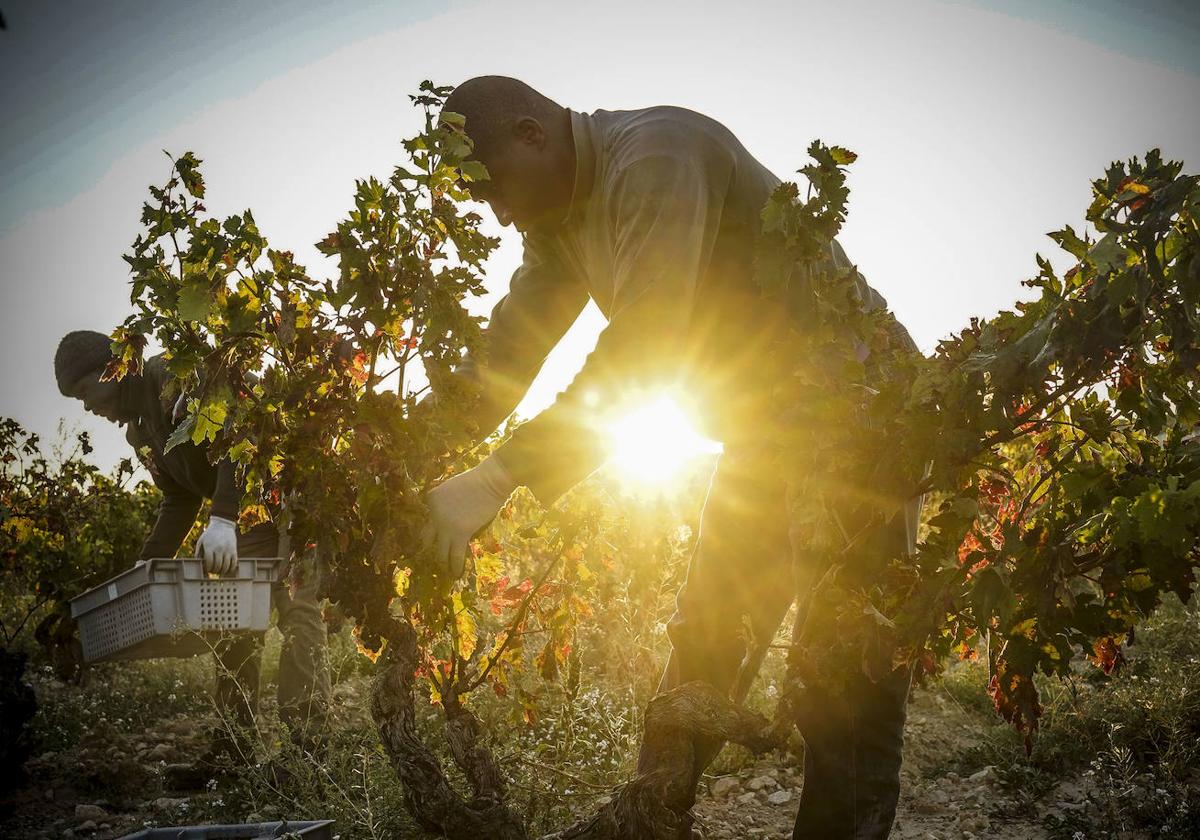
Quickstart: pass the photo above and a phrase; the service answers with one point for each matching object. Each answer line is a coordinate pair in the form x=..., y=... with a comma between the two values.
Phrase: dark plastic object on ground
x=309, y=830
x=18, y=705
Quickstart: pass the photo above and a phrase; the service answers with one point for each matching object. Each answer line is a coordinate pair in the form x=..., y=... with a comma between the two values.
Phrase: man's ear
x=529, y=131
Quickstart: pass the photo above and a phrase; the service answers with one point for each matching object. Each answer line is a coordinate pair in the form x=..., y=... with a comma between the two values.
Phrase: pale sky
x=979, y=126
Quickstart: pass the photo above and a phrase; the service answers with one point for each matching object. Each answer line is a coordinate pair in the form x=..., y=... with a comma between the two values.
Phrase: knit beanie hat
x=79, y=353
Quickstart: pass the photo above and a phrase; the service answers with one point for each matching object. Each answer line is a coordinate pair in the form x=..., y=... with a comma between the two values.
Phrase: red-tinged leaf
x=1108, y=655
x=364, y=649
x=114, y=371
x=1015, y=697
x=970, y=545
x=358, y=368
x=1127, y=377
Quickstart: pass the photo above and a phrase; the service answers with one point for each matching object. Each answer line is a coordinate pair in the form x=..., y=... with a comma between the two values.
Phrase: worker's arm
x=176, y=515
x=227, y=495
x=666, y=214
x=542, y=303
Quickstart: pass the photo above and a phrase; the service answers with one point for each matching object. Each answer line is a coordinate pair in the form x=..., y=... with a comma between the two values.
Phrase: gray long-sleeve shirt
x=660, y=234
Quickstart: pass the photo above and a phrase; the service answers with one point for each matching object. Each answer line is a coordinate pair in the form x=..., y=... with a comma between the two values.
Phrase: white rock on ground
x=725, y=786
x=985, y=776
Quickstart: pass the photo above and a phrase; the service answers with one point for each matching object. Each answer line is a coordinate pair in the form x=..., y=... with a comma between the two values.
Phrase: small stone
x=761, y=782
x=937, y=796
x=780, y=797
x=254, y=817
x=986, y=776
x=86, y=825
x=49, y=794
x=91, y=813
x=1069, y=791
x=167, y=803
x=159, y=753
x=68, y=833
x=747, y=798
x=725, y=786
x=973, y=822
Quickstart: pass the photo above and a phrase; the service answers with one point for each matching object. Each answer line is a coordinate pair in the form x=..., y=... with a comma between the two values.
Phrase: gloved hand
x=217, y=546
x=460, y=506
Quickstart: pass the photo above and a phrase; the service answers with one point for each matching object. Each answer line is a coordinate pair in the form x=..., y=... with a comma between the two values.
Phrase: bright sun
x=654, y=443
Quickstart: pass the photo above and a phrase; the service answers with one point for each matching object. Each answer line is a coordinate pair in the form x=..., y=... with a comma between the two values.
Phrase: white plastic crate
x=172, y=607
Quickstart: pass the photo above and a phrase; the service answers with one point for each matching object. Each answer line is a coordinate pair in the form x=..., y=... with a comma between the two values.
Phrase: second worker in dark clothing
x=145, y=404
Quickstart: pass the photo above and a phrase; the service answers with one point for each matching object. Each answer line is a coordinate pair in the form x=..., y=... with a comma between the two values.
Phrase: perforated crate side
x=220, y=603
x=117, y=624
x=167, y=607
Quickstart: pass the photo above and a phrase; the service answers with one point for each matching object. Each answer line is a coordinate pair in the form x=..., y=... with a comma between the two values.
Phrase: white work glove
x=460, y=507
x=218, y=546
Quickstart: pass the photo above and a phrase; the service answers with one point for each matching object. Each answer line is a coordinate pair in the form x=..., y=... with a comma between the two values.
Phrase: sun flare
x=653, y=444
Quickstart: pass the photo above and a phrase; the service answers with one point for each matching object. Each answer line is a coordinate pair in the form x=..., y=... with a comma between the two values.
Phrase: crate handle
x=246, y=569
x=192, y=568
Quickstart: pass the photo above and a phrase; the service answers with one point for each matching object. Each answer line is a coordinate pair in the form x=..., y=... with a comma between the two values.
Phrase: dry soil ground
x=758, y=801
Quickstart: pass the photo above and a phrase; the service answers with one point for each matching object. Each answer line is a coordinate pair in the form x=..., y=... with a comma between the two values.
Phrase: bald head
x=524, y=139
x=493, y=104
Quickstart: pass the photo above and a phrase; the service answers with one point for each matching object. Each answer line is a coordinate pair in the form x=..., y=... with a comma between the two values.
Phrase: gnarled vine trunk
x=436, y=806
x=651, y=806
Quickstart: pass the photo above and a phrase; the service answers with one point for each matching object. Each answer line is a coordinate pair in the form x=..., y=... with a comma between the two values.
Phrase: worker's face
x=100, y=398
x=525, y=187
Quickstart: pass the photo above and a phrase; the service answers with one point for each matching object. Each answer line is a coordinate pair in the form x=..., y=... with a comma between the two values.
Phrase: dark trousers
x=304, y=687
x=748, y=567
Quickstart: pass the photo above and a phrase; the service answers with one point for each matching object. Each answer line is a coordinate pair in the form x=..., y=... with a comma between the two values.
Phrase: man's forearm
x=227, y=495
x=175, y=519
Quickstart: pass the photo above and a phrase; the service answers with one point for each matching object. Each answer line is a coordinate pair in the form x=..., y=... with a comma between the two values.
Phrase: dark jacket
x=184, y=475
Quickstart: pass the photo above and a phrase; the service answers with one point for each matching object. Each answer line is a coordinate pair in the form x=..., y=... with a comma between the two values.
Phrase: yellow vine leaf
x=464, y=621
